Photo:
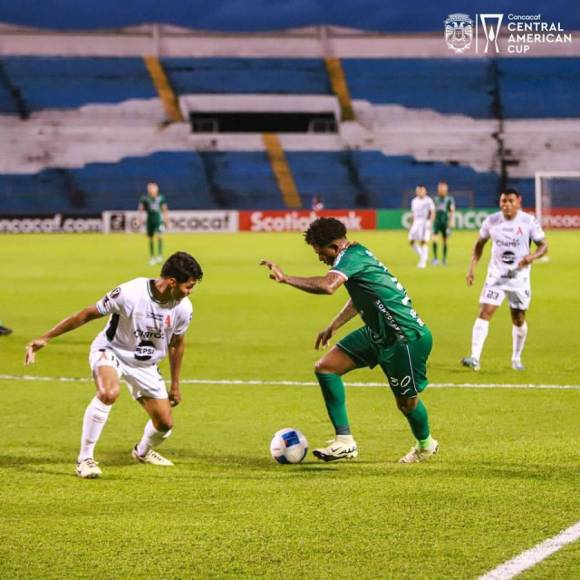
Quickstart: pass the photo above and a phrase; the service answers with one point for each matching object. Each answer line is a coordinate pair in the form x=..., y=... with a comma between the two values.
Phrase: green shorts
x=404, y=363
x=154, y=227
x=441, y=226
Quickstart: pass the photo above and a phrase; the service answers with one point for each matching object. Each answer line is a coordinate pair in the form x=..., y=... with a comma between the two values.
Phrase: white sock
x=416, y=249
x=94, y=421
x=519, y=334
x=151, y=438
x=424, y=254
x=478, y=337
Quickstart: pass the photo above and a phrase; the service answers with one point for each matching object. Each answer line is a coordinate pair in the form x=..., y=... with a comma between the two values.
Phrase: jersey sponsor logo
x=145, y=350
x=168, y=320
x=508, y=258
x=149, y=333
x=507, y=243
x=114, y=293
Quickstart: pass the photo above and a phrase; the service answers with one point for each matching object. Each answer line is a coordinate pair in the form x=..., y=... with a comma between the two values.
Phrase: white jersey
x=511, y=242
x=421, y=207
x=140, y=328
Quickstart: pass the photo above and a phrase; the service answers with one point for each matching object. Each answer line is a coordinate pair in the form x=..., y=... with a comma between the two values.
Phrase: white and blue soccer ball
x=289, y=446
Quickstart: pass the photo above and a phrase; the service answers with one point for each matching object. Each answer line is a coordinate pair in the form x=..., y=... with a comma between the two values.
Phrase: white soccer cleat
x=88, y=469
x=337, y=450
x=517, y=365
x=151, y=457
x=470, y=362
x=435, y=262
x=421, y=265
x=417, y=455
x=153, y=261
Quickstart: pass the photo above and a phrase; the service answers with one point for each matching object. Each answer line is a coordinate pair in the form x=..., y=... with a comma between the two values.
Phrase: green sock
x=151, y=247
x=434, y=250
x=419, y=422
x=160, y=247
x=444, y=252
x=335, y=399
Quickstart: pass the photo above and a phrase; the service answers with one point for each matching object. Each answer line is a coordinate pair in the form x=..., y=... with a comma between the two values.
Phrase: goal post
x=557, y=199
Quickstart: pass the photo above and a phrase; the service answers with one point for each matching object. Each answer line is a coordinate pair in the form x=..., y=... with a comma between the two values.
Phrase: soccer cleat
x=470, y=362
x=88, y=469
x=151, y=457
x=421, y=265
x=417, y=455
x=159, y=259
x=337, y=450
x=153, y=261
x=435, y=262
x=517, y=365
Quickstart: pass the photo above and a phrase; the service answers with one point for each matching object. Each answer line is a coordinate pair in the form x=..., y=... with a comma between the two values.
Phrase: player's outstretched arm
x=70, y=323
x=328, y=284
x=475, y=257
x=347, y=313
x=176, y=351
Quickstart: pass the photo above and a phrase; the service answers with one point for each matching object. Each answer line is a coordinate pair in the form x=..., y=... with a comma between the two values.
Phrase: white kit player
x=148, y=320
x=508, y=274
x=423, y=210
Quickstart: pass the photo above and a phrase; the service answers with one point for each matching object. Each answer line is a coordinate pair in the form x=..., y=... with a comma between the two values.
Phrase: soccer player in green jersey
x=444, y=219
x=157, y=216
x=393, y=336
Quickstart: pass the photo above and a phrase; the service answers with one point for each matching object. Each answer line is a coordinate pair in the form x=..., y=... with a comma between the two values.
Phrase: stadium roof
x=265, y=15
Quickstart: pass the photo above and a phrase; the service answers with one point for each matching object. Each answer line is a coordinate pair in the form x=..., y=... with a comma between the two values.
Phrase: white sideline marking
x=305, y=383
x=534, y=555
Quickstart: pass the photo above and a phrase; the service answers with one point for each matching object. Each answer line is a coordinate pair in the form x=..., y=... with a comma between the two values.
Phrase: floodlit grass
x=506, y=478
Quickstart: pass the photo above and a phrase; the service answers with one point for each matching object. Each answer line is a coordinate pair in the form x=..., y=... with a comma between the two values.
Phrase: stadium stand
x=86, y=133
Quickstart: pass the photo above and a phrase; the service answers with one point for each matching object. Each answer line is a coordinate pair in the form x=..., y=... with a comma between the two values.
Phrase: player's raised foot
x=343, y=447
x=471, y=363
x=152, y=457
x=88, y=469
x=517, y=365
x=416, y=455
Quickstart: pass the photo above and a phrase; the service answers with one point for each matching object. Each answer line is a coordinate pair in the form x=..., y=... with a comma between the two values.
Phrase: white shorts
x=496, y=289
x=420, y=231
x=141, y=381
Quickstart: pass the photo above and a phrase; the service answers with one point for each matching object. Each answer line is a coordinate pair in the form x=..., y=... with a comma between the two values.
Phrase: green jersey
x=153, y=206
x=443, y=207
x=379, y=297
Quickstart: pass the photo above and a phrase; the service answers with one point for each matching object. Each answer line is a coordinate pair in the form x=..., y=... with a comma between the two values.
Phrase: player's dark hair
x=511, y=191
x=323, y=231
x=182, y=267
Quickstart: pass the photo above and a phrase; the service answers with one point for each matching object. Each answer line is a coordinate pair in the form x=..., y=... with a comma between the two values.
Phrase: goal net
x=558, y=199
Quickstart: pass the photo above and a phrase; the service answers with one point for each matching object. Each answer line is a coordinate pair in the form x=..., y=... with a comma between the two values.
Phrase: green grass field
x=506, y=478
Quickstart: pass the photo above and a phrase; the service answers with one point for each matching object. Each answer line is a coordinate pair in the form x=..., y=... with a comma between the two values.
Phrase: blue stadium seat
x=247, y=76
x=62, y=83
x=458, y=86
x=242, y=180
x=531, y=88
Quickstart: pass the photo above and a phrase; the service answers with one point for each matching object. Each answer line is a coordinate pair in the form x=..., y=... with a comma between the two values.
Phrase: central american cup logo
x=458, y=32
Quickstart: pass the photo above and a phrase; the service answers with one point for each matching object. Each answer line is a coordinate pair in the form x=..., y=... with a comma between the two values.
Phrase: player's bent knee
x=109, y=396
x=407, y=404
x=163, y=425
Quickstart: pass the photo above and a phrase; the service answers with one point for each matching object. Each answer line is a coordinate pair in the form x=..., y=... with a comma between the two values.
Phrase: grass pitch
x=506, y=478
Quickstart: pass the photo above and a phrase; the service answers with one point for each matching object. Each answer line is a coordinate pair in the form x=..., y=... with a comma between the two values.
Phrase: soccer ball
x=289, y=446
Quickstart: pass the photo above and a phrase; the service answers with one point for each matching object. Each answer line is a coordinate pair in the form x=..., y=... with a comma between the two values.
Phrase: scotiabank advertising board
x=299, y=220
